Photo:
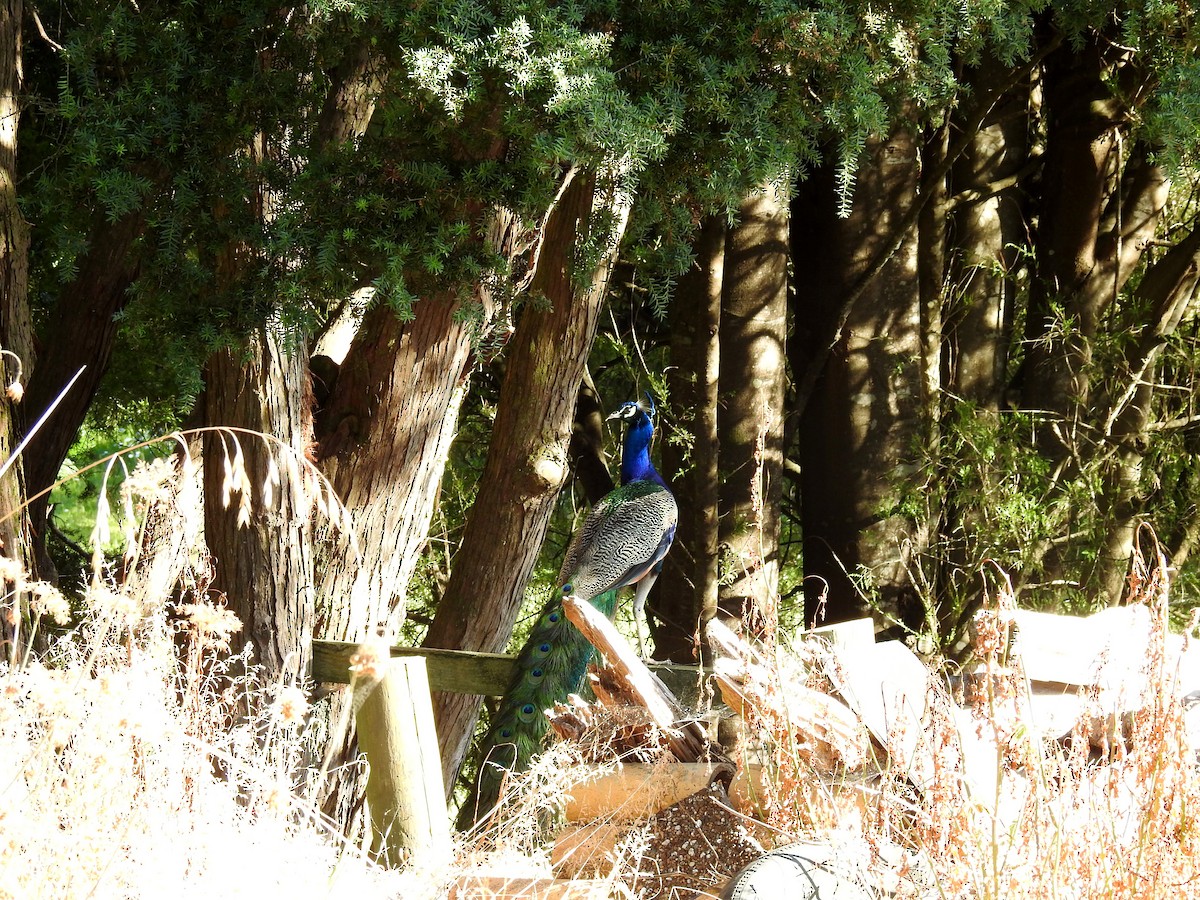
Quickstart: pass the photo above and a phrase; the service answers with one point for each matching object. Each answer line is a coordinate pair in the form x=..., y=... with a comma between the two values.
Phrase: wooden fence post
x=404, y=787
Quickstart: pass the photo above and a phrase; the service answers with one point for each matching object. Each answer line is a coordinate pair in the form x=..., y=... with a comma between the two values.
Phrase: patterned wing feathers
x=621, y=539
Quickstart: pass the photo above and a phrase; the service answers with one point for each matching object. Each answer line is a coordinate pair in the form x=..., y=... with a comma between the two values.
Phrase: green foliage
x=76, y=501
x=203, y=125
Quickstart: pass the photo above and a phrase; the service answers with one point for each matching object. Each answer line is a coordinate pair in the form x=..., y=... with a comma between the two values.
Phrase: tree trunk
x=83, y=324
x=1079, y=162
x=988, y=227
x=384, y=436
x=685, y=596
x=265, y=568
x=1168, y=289
x=16, y=329
x=526, y=462
x=1098, y=214
x=753, y=332
x=1101, y=202
x=858, y=429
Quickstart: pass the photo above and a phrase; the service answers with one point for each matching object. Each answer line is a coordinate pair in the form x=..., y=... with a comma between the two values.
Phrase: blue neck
x=635, y=452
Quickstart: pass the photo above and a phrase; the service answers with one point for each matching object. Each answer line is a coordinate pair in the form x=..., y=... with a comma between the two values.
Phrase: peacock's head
x=629, y=411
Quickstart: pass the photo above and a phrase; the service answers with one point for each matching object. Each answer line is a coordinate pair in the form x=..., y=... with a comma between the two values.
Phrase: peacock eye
x=553, y=617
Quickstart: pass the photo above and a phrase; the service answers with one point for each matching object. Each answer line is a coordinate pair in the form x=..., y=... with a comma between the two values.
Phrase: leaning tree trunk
x=685, y=596
x=263, y=562
x=1167, y=289
x=16, y=330
x=527, y=458
x=859, y=426
x=83, y=324
x=753, y=332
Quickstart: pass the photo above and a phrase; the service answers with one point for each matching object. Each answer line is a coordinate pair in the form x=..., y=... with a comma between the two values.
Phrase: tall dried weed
x=138, y=758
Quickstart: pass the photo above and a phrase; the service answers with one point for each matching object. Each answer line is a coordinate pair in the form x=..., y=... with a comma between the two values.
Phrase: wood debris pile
x=691, y=812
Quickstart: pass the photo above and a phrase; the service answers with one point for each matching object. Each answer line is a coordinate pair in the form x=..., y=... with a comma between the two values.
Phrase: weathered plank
x=637, y=790
x=684, y=736
x=463, y=671
x=468, y=672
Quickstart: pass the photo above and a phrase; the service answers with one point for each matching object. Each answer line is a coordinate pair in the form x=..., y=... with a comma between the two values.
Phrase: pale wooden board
x=855, y=633
x=888, y=686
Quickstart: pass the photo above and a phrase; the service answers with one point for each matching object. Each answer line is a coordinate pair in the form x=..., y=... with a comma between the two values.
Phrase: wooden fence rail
x=468, y=672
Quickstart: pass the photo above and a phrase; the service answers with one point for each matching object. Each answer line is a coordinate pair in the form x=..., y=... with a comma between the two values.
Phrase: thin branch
x=992, y=188
x=540, y=235
x=37, y=21
x=1173, y=424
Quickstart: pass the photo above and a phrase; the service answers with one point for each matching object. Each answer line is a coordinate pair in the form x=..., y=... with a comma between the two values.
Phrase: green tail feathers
x=550, y=666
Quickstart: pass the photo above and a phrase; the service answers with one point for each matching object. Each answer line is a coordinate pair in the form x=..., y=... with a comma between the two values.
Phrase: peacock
x=622, y=542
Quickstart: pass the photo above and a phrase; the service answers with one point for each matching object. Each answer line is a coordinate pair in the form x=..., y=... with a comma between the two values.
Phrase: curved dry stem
x=299, y=468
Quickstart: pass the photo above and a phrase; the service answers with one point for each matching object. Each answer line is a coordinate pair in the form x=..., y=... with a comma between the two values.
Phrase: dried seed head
x=369, y=659
x=117, y=604
x=290, y=706
x=12, y=571
x=49, y=600
x=214, y=625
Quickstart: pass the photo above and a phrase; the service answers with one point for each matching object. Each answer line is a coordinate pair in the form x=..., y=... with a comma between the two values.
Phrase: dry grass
x=138, y=758
x=1066, y=820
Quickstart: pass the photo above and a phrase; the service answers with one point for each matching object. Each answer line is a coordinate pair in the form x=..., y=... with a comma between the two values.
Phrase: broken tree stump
x=684, y=735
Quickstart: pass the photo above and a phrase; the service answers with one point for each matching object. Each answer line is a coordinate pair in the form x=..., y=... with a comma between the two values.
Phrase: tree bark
x=526, y=462
x=83, y=324
x=264, y=568
x=16, y=329
x=1098, y=213
x=685, y=596
x=384, y=435
x=858, y=429
x=753, y=334
x=1080, y=161
x=1101, y=202
x=988, y=226
x=356, y=82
